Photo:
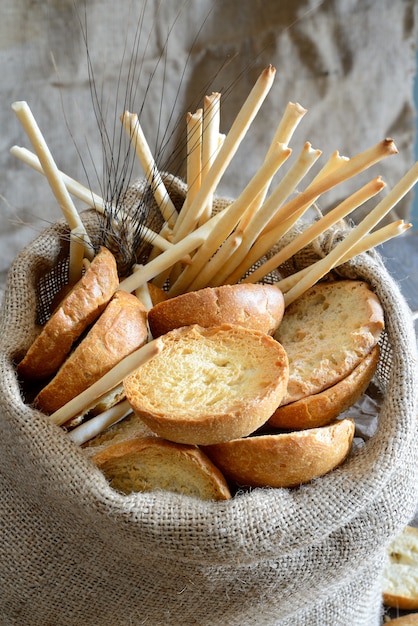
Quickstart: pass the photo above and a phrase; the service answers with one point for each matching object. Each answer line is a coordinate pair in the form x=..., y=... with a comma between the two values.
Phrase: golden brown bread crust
x=121, y=329
x=326, y=333
x=405, y=620
x=76, y=312
x=150, y=463
x=209, y=385
x=259, y=307
x=322, y=408
x=286, y=459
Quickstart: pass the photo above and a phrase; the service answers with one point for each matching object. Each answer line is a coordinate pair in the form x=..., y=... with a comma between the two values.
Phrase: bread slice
x=259, y=307
x=209, y=385
x=326, y=333
x=400, y=576
x=121, y=329
x=285, y=459
x=78, y=309
x=322, y=408
x=406, y=620
x=133, y=459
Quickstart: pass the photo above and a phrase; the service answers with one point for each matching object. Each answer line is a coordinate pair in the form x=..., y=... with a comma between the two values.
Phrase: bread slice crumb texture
x=207, y=384
x=326, y=333
x=400, y=576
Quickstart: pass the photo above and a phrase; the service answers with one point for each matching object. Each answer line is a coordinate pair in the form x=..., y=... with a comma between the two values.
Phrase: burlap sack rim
x=255, y=525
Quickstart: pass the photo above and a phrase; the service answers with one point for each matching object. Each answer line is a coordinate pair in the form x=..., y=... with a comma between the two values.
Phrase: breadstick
x=229, y=219
x=168, y=258
x=76, y=255
x=133, y=128
x=217, y=262
x=368, y=242
x=273, y=205
x=89, y=398
x=84, y=194
x=229, y=147
x=99, y=423
x=210, y=142
x=323, y=266
x=312, y=232
x=52, y=173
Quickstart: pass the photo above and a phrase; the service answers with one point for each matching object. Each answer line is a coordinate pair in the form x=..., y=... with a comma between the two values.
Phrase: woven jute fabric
x=73, y=551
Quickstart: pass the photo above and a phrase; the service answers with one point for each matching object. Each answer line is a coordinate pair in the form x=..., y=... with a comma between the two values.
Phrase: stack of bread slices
x=234, y=390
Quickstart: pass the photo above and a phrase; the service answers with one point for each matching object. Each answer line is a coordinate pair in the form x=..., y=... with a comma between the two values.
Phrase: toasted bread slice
x=285, y=459
x=134, y=459
x=121, y=329
x=78, y=309
x=326, y=333
x=259, y=307
x=322, y=408
x=209, y=385
x=400, y=576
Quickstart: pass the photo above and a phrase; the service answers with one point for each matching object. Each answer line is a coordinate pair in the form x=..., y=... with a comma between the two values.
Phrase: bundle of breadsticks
x=206, y=368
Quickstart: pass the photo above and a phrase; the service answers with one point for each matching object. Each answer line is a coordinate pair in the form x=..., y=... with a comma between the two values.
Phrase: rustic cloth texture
x=73, y=551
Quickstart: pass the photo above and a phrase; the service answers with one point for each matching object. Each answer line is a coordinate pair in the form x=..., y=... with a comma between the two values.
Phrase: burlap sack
x=75, y=552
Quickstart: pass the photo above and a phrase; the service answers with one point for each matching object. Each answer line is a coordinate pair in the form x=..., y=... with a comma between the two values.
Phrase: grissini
x=209, y=385
x=326, y=333
x=285, y=459
x=121, y=329
x=259, y=307
x=79, y=308
x=322, y=408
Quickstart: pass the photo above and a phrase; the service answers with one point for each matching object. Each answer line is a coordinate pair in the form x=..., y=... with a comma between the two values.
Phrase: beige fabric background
x=349, y=62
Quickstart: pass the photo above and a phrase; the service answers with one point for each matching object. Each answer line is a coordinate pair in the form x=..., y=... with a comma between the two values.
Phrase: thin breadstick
x=325, y=265
x=52, y=173
x=132, y=126
x=213, y=266
x=229, y=147
x=170, y=257
x=273, y=205
x=76, y=255
x=96, y=425
x=210, y=143
x=88, y=398
x=142, y=292
x=291, y=118
x=84, y=194
x=296, y=207
x=317, y=228
x=194, y=122
x=229, y=219
x=368, y=242
x=287, y=126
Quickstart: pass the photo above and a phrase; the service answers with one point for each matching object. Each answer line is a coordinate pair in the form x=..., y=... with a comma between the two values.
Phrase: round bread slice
x=134, y=459
x=121, y=329
x=400, y=575
x=326, y=333
x=322, y=408
x=406, y=620
x=209, y=385
x=259, y=307
x=285, y=459
x=78, y=309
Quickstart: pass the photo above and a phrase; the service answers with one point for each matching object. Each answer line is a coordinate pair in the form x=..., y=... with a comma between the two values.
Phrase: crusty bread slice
x=121, y=329
x=285, y=459
x=78, y=309
x=326, y=333
x=209, y=385
x=406, y=620
x=322, y=408
x=400, y=576
x=134, y=459
x=259, y=307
